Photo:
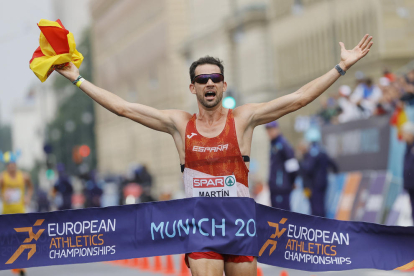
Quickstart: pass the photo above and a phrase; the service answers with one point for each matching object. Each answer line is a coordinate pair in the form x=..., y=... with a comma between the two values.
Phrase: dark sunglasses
x=203, y=78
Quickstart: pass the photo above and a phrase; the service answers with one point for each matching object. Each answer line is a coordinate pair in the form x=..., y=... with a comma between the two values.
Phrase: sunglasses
x=203, y=78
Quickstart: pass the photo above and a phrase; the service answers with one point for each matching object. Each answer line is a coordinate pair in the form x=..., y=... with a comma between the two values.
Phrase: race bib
x=216, y=186
x=13, y=195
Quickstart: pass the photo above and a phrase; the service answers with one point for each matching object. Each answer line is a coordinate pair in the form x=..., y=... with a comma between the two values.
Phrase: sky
x=19, y=38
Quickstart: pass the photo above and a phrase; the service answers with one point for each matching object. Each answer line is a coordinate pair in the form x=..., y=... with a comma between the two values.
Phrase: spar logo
x=230, y=180
x=25, y=244
x=214, y=182
x=278, y=233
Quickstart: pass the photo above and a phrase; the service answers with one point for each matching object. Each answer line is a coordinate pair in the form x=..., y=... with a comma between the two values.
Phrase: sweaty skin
x=211, y=120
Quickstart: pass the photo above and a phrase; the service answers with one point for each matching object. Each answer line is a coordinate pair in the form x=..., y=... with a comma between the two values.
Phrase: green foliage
x=5, y=138
x=72, y=109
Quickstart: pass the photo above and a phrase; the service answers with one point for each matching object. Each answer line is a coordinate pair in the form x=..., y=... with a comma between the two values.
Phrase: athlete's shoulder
x=179, y=115
x=245, y=111
x=179, y=118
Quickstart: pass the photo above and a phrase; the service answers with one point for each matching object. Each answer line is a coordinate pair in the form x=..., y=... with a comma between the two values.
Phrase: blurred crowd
x=368, y=98
x=73, y=191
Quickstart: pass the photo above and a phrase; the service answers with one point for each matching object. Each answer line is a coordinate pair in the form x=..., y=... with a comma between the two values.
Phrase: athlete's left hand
x=350, y=57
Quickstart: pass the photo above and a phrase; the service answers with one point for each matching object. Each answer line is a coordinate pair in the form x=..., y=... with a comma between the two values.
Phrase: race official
x=283, y=167
x=314, y=167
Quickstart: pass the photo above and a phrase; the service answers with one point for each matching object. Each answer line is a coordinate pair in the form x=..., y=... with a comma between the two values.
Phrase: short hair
x=205, y=60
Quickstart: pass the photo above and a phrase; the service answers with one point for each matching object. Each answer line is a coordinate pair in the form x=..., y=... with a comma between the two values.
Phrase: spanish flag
x=57, y=48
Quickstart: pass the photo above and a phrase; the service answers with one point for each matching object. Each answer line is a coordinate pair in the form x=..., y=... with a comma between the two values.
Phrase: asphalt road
x=102, y=269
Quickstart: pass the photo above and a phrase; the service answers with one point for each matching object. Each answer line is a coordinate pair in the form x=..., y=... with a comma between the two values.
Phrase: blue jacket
x=64, y=187
x=409, y=167
x=280, y=181
x=314, y=167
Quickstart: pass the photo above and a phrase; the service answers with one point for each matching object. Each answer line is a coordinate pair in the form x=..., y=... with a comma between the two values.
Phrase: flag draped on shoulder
x=56, y=49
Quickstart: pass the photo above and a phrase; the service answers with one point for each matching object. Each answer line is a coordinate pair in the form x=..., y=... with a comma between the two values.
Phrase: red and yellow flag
x=398, y=118
x=57, y=48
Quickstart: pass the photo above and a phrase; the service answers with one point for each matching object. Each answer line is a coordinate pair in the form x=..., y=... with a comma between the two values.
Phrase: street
x=92, y=269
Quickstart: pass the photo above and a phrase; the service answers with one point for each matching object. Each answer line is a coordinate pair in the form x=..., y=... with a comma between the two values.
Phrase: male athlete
x=16, y=193
x=217, y=141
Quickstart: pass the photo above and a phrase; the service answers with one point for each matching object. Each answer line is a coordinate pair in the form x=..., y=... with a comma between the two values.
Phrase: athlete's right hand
x=71, y=72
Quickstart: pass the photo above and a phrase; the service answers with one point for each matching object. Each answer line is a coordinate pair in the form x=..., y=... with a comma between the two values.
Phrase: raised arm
x=266, y=112
x=161, y=120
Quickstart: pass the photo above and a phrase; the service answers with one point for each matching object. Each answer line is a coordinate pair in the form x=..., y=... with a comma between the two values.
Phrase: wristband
x=340, y=70
x=77, y=79
x=80, y=82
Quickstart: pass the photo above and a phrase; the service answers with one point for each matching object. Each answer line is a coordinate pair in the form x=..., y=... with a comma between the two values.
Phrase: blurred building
x=74, y=15
x=30, y=118
x=33, y=113
x=142, y=51
x=135, y=48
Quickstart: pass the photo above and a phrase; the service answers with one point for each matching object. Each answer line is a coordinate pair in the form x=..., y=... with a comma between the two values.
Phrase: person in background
x=366, y=96
x=144, y=179
x=16, y=192
x=314, y=167
x=328, y=110
x=62, y=190
x=43, y=204
x=93, y=191
x=16, y=189
x=348, y=110
x=389, y=75
x=283, y=167
x=302, y=149
x=408, y=173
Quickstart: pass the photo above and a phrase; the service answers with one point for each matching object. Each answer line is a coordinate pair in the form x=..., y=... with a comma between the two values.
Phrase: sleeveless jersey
x=214, y=167
x=13, y=193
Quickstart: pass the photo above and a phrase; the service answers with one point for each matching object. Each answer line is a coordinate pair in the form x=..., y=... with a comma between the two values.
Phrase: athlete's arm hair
x=161, y=120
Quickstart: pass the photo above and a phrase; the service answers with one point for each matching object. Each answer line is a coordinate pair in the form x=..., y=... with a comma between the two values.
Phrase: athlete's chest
x=210, y=130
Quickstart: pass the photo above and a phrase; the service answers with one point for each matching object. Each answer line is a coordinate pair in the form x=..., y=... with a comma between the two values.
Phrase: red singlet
x=214, y=167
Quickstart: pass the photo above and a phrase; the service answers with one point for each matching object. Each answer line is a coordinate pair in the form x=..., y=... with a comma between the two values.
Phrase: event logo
x=32, y=246
x=278, y=233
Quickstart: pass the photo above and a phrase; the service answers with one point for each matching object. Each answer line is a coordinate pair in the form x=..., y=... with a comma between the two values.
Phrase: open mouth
x=210, y=95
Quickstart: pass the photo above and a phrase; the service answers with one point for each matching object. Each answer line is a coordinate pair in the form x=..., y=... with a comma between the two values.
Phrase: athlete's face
x=209, y=94
x=11, y=167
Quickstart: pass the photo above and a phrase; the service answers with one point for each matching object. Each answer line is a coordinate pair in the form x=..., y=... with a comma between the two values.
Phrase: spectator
x=349, y=111
x=62, y=190
x=328, y=111
x=390, y=76
x=366, y=96
x=408, y=174
x=43, y=204
x=93, y=191
x=406, y=85
x=389, y=98
x=142, y=176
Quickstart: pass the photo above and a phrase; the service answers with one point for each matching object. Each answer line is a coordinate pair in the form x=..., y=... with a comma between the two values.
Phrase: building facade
x=135, y=56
